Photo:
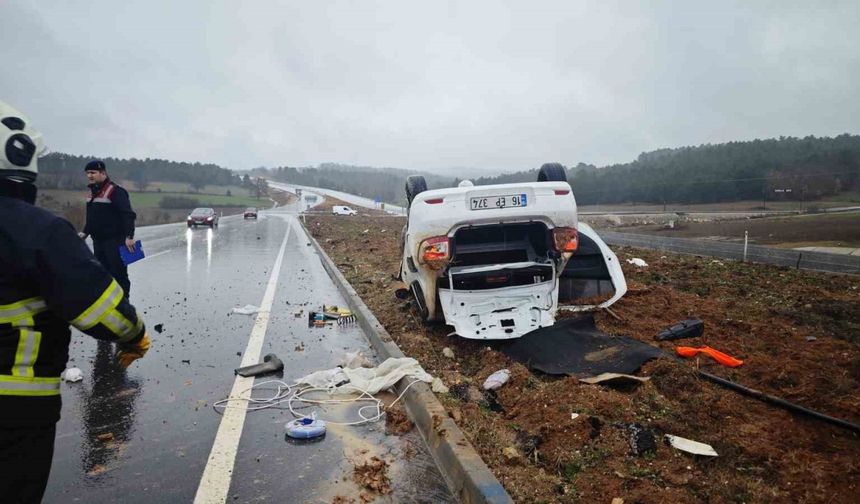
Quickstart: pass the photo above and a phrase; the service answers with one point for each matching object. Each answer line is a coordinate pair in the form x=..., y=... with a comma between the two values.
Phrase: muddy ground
x=833, y=230
x=552, y=439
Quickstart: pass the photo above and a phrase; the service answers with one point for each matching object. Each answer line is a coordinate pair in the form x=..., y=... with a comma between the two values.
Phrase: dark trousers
x=25, y=463
x=107, y=252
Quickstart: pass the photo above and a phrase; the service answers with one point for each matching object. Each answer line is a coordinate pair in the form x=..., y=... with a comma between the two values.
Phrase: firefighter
x=48, y=280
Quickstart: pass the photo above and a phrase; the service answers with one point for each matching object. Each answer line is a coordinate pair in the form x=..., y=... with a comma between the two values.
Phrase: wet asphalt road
x=145, y=435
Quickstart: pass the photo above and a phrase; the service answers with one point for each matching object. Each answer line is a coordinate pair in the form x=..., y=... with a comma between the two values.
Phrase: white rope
x=294, y=394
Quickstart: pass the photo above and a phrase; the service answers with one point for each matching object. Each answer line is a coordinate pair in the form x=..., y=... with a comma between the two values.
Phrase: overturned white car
x=492, y=261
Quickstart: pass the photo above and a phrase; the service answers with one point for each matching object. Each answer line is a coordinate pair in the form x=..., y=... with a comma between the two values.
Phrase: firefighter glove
x=131, y=352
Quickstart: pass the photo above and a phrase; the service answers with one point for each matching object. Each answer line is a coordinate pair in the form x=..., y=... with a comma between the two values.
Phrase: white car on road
x=490, y=260
x=342, y=210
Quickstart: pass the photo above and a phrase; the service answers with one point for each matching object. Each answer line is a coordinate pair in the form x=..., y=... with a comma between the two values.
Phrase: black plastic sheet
x=576, y=347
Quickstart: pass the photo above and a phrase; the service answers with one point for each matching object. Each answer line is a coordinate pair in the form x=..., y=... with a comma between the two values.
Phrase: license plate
x=495, y=202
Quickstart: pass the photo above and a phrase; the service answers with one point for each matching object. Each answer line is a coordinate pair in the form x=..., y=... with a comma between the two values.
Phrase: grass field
x=151, y=200
x=180, y=187
x=842, y=200
x=70, y=203
x=834, y=230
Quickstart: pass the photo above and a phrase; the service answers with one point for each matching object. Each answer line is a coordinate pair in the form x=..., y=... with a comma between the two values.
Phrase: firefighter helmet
x=20, y=146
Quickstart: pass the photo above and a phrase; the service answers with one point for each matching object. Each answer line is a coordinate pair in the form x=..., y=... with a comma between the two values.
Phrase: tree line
x=792, y=168
x=787, y=168
x=64, y=171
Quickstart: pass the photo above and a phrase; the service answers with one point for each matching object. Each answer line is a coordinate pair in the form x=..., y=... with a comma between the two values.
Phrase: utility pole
x=802, y=194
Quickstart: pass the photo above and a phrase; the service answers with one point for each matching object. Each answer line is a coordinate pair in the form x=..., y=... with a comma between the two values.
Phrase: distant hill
x=787, y=168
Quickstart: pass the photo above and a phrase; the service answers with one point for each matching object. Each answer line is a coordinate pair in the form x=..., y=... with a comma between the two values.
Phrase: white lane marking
x=215, y=483
x=158, y=254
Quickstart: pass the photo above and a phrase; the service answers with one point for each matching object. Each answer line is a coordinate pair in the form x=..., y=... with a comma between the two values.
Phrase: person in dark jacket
x=48, y=280
x=110, y=222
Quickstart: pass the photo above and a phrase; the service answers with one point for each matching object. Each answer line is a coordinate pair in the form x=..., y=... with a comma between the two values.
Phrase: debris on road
x=496, y=380
x=373, y=475
x=246, y=310
x=691, y=328
x=271, y=364
x=369, y=380
x=720, y=357
x=396, y=421
x=72, y=375
x=447, y=352
x=355, y=359
x=306, y=428
x=690, y=446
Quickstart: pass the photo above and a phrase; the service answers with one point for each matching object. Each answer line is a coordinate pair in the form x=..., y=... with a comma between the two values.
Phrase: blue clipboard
x=130, y=257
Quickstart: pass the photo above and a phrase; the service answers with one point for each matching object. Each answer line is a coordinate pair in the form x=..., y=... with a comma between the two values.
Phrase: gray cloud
x=490, y=85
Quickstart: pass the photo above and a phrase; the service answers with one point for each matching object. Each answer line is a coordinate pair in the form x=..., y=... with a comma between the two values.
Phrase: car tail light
x=434, y=252
x=566, y=239
x=434, y=201
x=562, y=192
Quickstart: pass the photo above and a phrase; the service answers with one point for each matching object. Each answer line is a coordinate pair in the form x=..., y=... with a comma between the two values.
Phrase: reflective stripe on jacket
x=48, y=280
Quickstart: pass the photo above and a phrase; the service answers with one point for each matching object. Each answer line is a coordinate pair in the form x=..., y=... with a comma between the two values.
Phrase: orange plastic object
x=724, y=359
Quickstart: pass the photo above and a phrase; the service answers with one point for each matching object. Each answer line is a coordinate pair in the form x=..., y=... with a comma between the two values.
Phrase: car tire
x=552, y=172
x=421, y=305
x=415, y=185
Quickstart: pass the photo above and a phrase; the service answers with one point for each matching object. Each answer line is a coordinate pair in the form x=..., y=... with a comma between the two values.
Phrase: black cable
x=776, y=401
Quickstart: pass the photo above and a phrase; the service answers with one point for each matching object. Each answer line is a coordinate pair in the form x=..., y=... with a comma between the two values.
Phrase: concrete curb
x=468, y=477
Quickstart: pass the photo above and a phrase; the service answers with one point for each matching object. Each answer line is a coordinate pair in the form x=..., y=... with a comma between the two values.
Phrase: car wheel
x=552, y=172
x=415, y=185
x=419, y=301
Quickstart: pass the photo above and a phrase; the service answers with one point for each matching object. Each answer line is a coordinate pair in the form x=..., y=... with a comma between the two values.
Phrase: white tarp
x=370, y=380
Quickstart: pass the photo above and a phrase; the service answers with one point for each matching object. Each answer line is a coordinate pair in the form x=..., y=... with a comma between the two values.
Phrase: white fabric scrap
x=637, y=262
x=72, y=375
x=371, y=380
x=690, y=446
x=248, y=309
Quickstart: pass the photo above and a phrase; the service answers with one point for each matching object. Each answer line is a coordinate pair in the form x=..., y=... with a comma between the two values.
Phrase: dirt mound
x=551, y=439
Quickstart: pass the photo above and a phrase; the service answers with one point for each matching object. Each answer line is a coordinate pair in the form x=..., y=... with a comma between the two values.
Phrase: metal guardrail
x=798, y=259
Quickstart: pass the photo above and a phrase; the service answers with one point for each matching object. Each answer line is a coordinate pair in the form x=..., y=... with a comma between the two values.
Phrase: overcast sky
x=425, y=85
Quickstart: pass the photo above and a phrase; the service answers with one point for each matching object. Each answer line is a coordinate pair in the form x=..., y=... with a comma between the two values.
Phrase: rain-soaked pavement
x=145, y=435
